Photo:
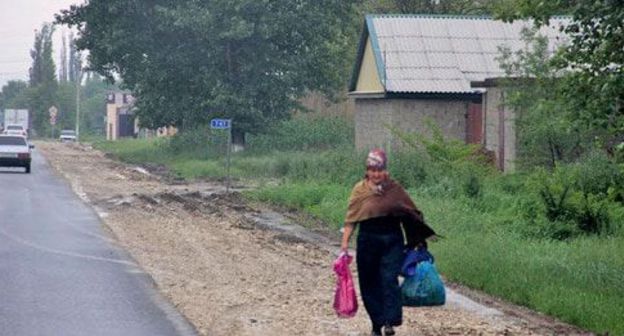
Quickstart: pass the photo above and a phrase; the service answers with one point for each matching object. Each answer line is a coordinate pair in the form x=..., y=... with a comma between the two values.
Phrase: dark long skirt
x=379, y=259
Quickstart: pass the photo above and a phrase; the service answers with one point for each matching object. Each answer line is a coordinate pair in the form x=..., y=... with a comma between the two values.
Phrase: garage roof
x=441, y=54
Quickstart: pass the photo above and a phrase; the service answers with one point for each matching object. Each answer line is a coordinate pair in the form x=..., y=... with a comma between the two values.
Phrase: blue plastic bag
x=424, y=287
x=412, y=259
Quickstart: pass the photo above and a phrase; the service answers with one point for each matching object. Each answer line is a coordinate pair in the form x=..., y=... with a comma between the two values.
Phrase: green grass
x=491, y=242
x=324, y=201
x=578, y=281
x=136, y=150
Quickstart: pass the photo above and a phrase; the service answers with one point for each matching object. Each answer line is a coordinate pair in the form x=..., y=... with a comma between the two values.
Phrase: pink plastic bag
x=345, y=300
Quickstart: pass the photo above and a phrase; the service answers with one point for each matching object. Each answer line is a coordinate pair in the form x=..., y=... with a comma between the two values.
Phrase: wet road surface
x=61, y=275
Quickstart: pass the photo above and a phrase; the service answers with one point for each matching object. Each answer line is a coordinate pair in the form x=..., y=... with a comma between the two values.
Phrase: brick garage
x=414, y=68
x=408, y=115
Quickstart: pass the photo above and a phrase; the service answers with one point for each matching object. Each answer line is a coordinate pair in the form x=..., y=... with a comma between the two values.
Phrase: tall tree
x=42, y=69
x=75, y=60
x=63, y=63
x=35, y=71
x=190, y=61
x=43, y=81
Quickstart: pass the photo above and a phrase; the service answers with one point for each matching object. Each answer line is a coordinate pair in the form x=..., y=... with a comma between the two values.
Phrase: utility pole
x=78, y=80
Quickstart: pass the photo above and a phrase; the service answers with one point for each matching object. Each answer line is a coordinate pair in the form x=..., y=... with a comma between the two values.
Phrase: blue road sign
x=220, y=123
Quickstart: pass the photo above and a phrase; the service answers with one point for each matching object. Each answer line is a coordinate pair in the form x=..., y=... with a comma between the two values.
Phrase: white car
x=15, y=152
x=67, y=135
x=15, y=130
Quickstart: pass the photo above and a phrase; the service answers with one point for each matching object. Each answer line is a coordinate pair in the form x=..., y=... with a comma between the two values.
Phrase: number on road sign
x=220, y=123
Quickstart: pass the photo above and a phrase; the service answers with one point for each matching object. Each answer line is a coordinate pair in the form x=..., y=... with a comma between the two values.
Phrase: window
x=12, y=141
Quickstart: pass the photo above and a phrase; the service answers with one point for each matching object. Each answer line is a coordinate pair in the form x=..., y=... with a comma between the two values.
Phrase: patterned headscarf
x=376, y=159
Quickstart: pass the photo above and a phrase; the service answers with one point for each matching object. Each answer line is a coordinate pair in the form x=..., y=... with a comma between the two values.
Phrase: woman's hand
x=346, y=235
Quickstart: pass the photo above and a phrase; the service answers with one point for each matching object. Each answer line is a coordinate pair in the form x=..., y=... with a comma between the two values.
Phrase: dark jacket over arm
x=416, y=231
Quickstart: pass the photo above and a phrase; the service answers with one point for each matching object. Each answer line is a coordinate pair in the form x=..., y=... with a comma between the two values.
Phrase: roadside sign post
x=222, y=124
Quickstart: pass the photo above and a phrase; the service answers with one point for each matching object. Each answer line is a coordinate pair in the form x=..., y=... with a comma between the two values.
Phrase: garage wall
x=408, y=115
x=500, y=129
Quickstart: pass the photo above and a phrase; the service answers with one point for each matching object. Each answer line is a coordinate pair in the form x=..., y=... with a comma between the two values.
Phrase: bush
x=304, y=132
x=409, y=168
x=596, y=174
x=198, y=143
x=437, y=147
x=472, y=187
x=573, y=199
x=342, y=165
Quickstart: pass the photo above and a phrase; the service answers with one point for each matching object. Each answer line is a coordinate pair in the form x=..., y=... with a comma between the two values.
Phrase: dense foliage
x=456, y=7
x=579, y=191
x=190, y=61
x=14, y=95
x=305, y=132
x=592, y=61
x=43, y=84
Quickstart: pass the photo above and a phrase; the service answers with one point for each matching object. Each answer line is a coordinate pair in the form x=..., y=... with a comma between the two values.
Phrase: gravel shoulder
x=237, y=269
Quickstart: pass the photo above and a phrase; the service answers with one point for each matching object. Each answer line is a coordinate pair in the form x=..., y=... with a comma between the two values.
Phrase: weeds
x=550, y=240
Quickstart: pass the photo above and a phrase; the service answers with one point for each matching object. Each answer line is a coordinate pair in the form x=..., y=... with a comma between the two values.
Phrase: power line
x=9, y=73
x=14, y=61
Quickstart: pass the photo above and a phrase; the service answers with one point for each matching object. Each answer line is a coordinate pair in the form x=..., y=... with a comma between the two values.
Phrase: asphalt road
x=59, y=272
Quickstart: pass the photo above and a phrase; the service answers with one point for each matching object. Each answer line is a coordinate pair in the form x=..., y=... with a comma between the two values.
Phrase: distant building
x=411, y=68
x=121, y=121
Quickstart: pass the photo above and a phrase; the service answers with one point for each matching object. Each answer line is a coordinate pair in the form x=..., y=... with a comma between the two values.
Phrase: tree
x=14, y=95
x=593, y=60
x=533, y=91
x=456, y=7
x=92, y=110
x=43, y=83
x=540, y=10
x=192, y=61
x=63, y=64
x=75, y=60
x=42, y=69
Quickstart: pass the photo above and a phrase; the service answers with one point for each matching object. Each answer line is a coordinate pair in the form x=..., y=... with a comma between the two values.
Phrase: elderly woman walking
x=389, y=222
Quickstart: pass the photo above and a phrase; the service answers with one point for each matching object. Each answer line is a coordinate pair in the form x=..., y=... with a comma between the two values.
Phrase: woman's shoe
x=388, y=330
x=376, y=333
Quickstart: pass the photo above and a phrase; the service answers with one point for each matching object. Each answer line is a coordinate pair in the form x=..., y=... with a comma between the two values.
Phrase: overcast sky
x=18, y=21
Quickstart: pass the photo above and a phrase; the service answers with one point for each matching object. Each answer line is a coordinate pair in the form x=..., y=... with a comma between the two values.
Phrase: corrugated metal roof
x=442, y=54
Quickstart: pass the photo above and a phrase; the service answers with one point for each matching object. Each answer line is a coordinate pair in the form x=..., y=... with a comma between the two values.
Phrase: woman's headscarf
x=377, y=159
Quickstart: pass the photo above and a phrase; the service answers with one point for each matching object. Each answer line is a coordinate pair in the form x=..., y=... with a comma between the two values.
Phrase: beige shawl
x=390, y=200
